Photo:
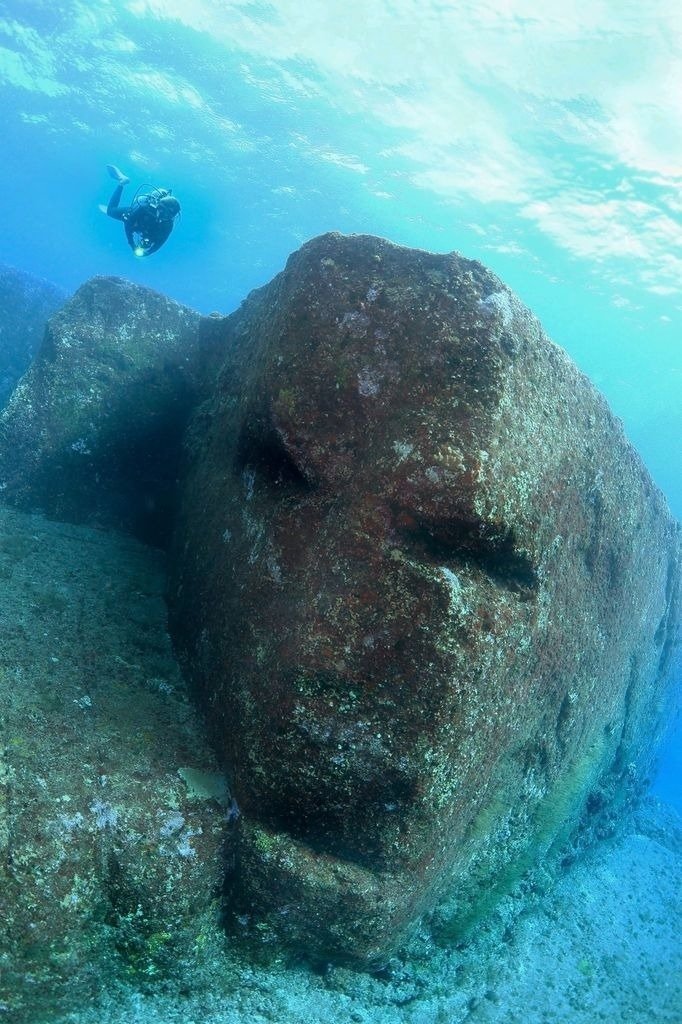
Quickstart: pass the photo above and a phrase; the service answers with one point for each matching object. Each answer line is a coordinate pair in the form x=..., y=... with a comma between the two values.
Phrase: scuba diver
x=149, y=219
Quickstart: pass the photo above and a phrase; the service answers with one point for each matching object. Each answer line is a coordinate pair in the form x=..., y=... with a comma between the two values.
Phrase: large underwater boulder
x=425, y=592
x=92, y=432
x=112, y=810
x=26, y=302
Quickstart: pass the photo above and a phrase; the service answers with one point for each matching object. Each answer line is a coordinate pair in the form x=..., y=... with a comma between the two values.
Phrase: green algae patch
x=205, y=785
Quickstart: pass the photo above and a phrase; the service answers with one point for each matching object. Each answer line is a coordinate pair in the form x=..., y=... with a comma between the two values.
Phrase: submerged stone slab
x=92, y=433
x=425, y=591
x=26, y=302
x=112, y=816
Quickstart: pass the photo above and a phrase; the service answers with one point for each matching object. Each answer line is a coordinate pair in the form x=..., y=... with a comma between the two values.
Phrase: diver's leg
x=113, y=209
x=117, y=175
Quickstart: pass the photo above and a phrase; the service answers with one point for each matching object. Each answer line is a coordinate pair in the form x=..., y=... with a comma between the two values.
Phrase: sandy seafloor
x=604, y=943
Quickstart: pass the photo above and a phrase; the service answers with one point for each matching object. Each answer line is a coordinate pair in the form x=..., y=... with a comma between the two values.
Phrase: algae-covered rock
x=25, y=304
x=110, y=864
x=91, y=435
x=424, y=589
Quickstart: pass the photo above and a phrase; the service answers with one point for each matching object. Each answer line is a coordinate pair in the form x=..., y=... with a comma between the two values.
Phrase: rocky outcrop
x=112, y=809
x=425, y=592
x=26, y=303
x=92, y=433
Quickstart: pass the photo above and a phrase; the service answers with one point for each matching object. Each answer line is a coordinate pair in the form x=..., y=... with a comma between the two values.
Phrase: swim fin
x=117, y=175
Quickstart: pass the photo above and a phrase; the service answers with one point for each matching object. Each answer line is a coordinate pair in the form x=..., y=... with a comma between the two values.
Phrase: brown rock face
x=425, y=590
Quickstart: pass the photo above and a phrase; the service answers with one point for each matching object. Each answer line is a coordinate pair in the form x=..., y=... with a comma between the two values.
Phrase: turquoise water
x=548, y=145
x=543, y=140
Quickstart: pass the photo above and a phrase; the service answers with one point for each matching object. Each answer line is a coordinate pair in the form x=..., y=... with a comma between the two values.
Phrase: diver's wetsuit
x=141, y=218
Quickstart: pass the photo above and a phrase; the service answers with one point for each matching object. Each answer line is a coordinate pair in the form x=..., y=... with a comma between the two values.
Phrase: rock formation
x=26, y=303
x=425, y=592
x=112, y=809
x=92, y=433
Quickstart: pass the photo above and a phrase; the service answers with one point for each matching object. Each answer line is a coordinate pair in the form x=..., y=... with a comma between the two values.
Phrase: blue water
x=546, y=144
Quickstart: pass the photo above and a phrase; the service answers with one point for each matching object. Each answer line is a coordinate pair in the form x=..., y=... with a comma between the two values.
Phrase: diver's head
x=169, y=206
